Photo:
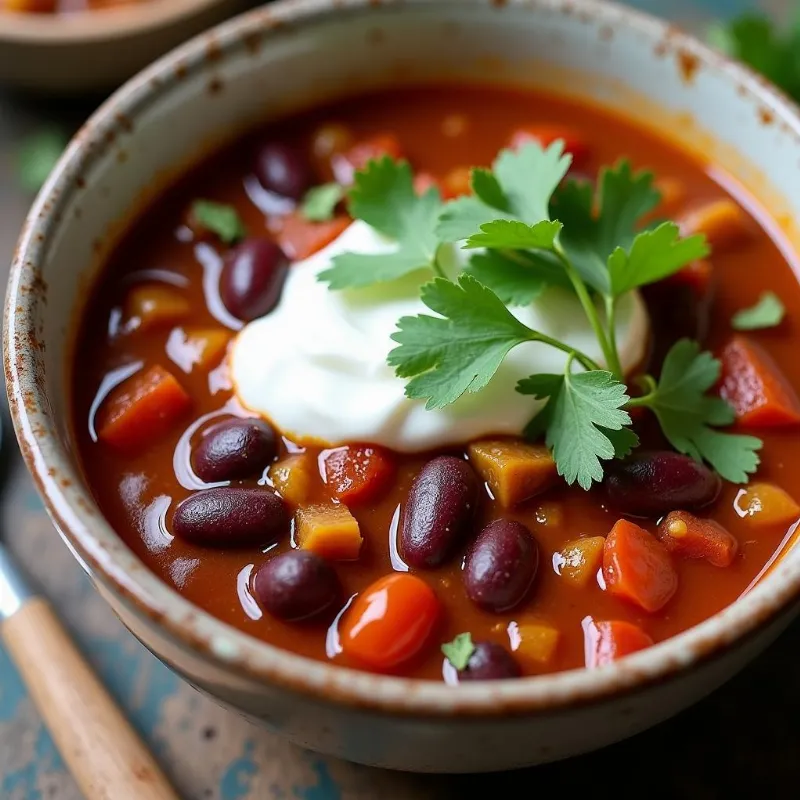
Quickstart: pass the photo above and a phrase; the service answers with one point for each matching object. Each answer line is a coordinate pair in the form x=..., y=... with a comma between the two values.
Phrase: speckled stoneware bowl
x=270, y=62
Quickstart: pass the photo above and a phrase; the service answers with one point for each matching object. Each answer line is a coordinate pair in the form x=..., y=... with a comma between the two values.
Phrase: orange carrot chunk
x=357, y=473
x=638, y=568
x=574, y=142
x=300, y=238
x=142, y=409
x=607, y=641
x=755, y=387
x=355, y=158
x=390, y=621
x=686, y=535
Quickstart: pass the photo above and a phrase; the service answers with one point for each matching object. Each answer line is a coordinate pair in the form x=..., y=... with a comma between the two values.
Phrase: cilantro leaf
x=383, y=196
x=38, y=155
x=766, y=313
x=459, y=651
x=686, y=413
x=460, y=350
x=219, y=218
x=319, y=204
x=488, y=190
x=503, y=234
x=653, y=255
x=464, y=216
x=580, y=409
x=517, y=278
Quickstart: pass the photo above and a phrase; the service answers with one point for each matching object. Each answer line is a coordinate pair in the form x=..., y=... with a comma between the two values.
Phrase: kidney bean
x=234, y=449
x=252, y=278
x=296, y=585
x=500, y=566
x=652, y=484
x=438, y=511
x=231, y=516
x=282, y=169
x=489, y=662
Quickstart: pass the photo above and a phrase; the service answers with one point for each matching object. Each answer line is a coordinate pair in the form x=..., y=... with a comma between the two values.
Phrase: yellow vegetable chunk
x=537, y=645
x=722, y=221
x=201, y=348
x=513, y=470
x=329, y=530
x=151, y=305
x=292, y=478
x=764, y=504
x=579, y=560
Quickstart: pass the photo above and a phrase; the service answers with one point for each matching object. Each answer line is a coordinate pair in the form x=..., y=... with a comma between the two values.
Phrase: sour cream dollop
x=316, y=365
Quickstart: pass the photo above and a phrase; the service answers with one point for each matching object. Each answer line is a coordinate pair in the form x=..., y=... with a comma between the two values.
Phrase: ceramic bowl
x=288, y=56
x=98, y=50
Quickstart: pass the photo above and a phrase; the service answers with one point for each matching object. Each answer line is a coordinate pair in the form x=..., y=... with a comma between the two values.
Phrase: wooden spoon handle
x=107, y=758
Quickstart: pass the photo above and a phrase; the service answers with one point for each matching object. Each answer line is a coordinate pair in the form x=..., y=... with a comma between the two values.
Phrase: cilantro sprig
x=459, y=651
x=526, y=228
x=768, y=312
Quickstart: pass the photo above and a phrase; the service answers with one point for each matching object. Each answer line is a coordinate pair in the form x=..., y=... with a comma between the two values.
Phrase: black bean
x=438, y=511
x=296, y=585
x=501, y=565
x=252, y=278
x=489, y=661
x=282, y=169
x=652, y=484
x=231, y=516
x=234, y=449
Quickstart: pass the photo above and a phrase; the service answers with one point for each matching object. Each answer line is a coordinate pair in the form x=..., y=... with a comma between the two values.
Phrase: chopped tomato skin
x=754, y=386
x=142, y=409
x=574, y=143
x=691, y=537
x=355, y=158
x=607, y=641
x=300, y=238
x=357, y=474
x=390, y=622
x=424, y=181
x=638, y=568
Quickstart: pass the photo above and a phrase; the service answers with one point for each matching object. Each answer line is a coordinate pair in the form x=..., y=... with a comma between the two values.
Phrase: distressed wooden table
x=740, y=742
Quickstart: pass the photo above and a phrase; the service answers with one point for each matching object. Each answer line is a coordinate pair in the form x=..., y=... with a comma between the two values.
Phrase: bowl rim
x=103, y=24
x=93, y=541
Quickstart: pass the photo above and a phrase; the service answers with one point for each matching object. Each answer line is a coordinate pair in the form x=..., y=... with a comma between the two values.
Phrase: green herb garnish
x=459, y=651
x=766, y=313
x=37, y=157
x=319, y=204
x=531, y=231
x=219, y=218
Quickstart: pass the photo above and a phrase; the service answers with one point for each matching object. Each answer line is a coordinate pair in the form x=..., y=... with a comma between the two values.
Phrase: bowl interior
x=293, y=55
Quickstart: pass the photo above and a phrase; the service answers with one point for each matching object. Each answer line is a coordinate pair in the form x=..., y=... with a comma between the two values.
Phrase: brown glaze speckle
x=606, y=33
x=215, y=86
x=765, y=115
x=688, y=64
x=376, y=36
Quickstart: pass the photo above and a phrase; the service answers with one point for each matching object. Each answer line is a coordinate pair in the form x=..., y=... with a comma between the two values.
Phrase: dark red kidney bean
x=231, y=516
x=652, y=484
x=234, y=449
x=252, y=278
x=284, y=170
x=296, y=585
x=438, y=511
x=489, y=662
x=501, y=565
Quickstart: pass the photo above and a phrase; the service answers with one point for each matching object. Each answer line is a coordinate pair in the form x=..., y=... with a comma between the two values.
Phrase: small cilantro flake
x=219, y=218
x=38, y=155
x=319, y=204
x=383, y=196
x=459, y=651
x=768, y=312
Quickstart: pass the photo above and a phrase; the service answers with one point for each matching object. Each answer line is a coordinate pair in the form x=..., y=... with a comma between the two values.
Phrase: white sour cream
x=316, y=365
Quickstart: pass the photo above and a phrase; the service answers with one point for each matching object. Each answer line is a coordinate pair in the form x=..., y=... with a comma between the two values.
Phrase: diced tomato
x=574, y=142
x=357, y=473
x=300, y=238
x=686, y=535
x=755, y=387
x=389, y=622
x=424, y=181
x=638, y=568
x=345, y=164
x=607, y=641
x=142, y=409
x=698, y=276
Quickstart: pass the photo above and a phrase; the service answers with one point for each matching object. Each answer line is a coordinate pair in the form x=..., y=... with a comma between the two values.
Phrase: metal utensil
x=105, y=755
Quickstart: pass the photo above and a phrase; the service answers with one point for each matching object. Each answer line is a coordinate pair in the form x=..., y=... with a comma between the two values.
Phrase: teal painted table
x=741, y=742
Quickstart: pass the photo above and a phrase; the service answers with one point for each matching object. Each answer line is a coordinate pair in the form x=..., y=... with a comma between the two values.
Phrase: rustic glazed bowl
x=288, y=56
x=97, y=50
